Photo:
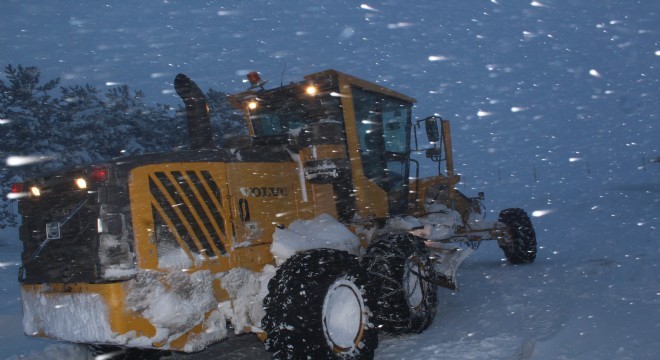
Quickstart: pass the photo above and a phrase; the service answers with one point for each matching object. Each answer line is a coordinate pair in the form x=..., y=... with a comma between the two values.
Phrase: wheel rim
x=412, y=284
x=343, y=310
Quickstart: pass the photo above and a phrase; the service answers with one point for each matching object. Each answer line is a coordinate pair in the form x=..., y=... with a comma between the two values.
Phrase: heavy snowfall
x=554, y=109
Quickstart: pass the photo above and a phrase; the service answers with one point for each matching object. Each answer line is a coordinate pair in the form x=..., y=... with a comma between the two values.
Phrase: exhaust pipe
x=197, y=112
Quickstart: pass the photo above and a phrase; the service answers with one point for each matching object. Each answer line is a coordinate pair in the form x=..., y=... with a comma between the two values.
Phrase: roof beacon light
x=255, y=80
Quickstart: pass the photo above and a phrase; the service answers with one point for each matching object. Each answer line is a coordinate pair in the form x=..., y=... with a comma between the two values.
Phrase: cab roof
x=330, y=75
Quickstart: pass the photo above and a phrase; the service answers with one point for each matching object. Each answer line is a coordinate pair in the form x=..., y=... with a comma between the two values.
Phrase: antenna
x=282, y=76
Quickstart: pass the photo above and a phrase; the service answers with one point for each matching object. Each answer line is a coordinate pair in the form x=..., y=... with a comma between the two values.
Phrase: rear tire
x=520, y=248
x=316, y=308
x=400, y=271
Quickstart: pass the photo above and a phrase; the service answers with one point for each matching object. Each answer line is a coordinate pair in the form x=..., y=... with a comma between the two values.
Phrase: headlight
x=81, y=183
x=35, y=191
x=311, y=90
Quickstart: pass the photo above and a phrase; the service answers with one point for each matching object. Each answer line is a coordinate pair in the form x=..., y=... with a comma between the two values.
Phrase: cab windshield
x=290, y=108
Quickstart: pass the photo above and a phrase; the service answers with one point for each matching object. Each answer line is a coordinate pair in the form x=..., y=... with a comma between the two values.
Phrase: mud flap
x=446, y=262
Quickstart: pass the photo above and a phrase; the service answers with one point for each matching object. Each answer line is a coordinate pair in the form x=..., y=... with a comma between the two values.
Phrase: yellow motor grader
x=315, y=231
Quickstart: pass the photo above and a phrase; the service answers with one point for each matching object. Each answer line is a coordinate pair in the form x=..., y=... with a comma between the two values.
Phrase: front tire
x=520, y=247
x=402, y=274
x=316, y=308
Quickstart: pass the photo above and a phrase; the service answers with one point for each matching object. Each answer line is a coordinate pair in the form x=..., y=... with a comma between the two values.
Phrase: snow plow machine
x=315, y=231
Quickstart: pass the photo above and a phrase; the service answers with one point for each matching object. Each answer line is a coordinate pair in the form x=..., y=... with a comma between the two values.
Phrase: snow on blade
x=154, y=296
x=59, y=316
x=440, y=223
x=321, y=232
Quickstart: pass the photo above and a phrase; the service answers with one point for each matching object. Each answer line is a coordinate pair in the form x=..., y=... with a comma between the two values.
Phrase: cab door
x=383, y=129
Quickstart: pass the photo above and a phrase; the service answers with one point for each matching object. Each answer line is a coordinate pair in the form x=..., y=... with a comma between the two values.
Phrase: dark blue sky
x=559, y=79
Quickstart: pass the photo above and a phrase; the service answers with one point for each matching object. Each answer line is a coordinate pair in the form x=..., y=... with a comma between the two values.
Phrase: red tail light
x=99, y=174
x=18, y=188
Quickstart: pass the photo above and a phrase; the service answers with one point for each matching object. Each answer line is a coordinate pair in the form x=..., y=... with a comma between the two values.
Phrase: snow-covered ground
x=593, y=292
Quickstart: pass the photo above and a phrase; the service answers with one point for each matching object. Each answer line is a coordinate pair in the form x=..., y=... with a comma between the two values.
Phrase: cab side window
x=384, y=134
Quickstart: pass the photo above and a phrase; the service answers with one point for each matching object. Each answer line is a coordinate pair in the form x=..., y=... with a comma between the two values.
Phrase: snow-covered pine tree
x=225, y=120
x=79, y=125
x=27, y=113
x=133, y=127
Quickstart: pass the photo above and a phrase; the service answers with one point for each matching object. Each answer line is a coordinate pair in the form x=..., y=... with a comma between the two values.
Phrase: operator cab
x=374, y=122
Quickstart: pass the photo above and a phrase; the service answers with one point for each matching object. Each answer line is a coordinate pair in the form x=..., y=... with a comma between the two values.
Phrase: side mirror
x=431, y=126
x=433, y=153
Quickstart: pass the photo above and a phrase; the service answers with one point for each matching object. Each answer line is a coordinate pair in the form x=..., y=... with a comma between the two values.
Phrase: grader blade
x=447, y=260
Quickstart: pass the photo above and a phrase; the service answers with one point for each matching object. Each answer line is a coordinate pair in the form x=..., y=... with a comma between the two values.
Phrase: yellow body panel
x=255, y=198
x=184, y=202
